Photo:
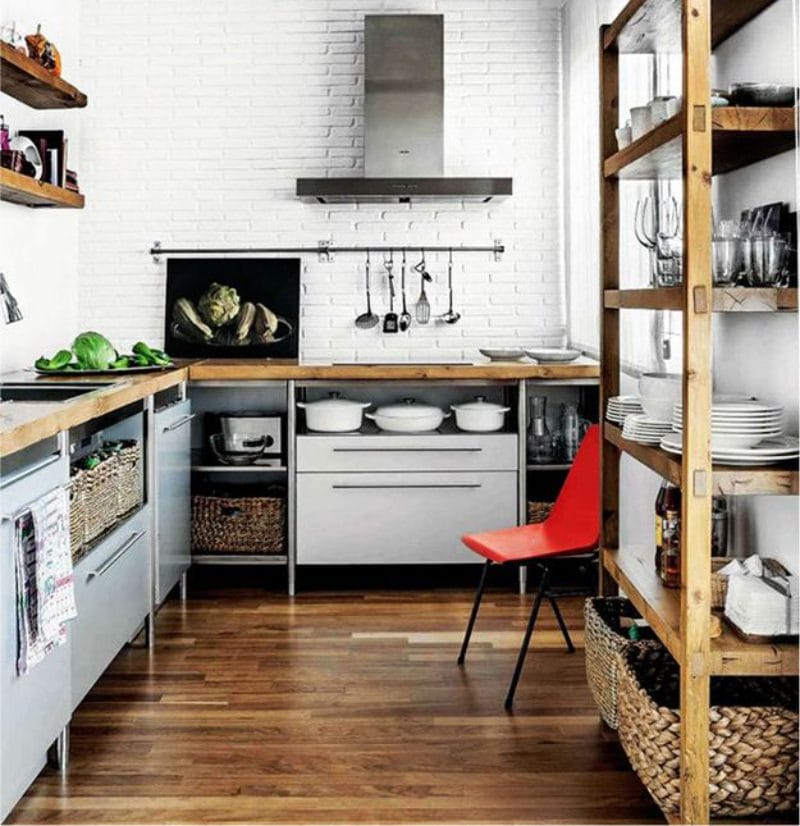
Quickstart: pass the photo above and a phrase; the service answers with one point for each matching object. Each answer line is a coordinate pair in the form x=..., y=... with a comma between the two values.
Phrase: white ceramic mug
x=624, y=136
x=641, y=122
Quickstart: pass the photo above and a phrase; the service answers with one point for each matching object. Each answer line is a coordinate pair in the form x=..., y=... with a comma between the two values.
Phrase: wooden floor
x=341, y=708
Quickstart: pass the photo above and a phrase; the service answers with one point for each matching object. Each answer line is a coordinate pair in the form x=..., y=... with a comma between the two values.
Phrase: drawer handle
x=408, y=450
x=462, y=485
x=112, y=560
x=29, y=471
x=179, y=423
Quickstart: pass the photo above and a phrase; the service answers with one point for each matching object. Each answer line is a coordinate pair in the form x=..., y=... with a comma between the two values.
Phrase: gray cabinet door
x=112, y=595
x=173, y=496
x=36, y=706
x=398, y=518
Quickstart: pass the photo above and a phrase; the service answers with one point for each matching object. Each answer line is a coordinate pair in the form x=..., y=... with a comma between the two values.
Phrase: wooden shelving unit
x=741, y=136
x=27, y=81
x=723, y=299
x=692, y=146
x=20, y=189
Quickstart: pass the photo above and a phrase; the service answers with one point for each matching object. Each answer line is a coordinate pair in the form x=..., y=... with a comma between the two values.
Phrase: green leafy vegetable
x=93, y=351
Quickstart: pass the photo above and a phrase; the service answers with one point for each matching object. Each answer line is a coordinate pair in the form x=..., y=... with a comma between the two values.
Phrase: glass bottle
x=719, y=526
x=570, y=430
x=540, y=441
x=671, y=551
x=669, y=498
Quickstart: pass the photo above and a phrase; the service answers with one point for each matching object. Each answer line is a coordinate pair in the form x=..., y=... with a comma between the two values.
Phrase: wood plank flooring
x=342, y=708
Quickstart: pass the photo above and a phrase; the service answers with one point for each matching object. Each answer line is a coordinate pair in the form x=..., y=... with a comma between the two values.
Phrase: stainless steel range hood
x=403, y=121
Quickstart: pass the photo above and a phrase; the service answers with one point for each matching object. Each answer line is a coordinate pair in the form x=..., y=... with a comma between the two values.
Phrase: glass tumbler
x=727, y=259
x=669, y=261
x=765, y=258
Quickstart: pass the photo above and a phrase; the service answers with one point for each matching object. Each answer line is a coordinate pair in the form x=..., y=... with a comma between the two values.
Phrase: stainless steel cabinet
x=173, y=496
x=112, y=593
x=35, y=707
x=398, y=518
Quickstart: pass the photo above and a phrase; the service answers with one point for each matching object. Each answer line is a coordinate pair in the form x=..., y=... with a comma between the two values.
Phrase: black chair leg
x=561, y=624
x=512, y=688
x=474, y=613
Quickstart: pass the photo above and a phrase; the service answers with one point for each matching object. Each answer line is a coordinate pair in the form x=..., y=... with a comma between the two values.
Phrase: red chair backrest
x=576, y=513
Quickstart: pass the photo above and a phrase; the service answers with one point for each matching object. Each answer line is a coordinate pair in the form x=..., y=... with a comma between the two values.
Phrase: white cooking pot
x=408, y=417
x=334, y=414
x=480, y=416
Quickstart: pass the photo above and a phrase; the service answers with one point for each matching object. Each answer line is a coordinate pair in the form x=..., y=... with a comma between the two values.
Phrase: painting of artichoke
x=218, y=305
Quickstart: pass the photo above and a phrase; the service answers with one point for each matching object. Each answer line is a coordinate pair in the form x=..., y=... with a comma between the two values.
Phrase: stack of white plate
x=621, y=406
x=738, y=425
x=647, y=431
x=768, y=452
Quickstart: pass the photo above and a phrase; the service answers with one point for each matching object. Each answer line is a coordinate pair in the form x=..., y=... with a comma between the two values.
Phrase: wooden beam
x=696, y=459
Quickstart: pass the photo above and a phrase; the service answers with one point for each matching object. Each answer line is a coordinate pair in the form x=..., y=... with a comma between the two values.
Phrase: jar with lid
x=669, y=498
x=671, y=551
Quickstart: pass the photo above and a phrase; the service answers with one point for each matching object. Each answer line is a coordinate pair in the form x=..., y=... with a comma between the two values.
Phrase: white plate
x=554, y=355
x=502, y=355
x=746, y=408
x=778, y=448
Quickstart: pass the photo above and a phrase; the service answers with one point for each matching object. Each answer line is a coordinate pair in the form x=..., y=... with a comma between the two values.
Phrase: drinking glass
x=727, y=260
x=669, y=261
x=765, y=259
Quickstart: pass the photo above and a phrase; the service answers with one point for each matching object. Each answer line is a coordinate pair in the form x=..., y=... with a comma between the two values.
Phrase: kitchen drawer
x=112, y=595
x=34, y=707
x=398, y=518
x=412, y=452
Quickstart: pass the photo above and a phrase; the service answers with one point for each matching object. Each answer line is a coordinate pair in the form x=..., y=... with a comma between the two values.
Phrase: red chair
x=572, y=528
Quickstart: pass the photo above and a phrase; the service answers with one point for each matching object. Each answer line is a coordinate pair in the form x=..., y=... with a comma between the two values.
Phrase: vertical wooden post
x=696, y=470
x=609, y=280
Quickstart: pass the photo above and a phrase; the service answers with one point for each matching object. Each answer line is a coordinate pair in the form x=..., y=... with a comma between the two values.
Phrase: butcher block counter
x=23, y=423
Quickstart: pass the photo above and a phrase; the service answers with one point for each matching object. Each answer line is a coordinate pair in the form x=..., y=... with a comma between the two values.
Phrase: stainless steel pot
x=408, y=417
x=480, y=416
x=334, y=414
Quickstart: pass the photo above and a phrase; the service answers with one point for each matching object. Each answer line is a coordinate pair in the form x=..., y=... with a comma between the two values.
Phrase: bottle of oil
x=669, y=498
x=671, y=550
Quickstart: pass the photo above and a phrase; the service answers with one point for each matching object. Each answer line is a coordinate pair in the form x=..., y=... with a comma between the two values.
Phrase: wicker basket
x=97, y=489
x=240, y=525
x=128, y=466
x=604, y=639
x=538, y=511
x=719, y=584
x=753, y=738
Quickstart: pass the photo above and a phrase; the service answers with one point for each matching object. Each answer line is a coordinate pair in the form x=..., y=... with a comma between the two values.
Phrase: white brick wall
x=202, y=115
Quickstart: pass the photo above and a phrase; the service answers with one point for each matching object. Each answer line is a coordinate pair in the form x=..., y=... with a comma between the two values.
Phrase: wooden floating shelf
x=21, y=189
x=770, y=480
x=742, y=135
x=633, y=569
x=645, y=26
x=25, y=80
x=725, y=299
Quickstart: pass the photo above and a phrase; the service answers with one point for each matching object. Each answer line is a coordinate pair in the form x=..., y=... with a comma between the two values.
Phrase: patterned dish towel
x=45, y=582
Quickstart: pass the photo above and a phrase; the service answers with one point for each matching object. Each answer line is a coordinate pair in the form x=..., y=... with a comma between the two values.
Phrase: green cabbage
x=218, y=305
x=93, y=351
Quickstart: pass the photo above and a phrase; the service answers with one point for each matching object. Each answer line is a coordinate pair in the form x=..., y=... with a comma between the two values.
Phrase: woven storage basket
x=128, y=477
x=719, y=584
x=240, y=525
x=77, y=515
x=538, y=511
x=604, y=639
x=97, y=489
x=753, y=737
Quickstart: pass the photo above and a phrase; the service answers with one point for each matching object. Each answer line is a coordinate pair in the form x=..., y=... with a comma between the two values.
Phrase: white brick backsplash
x=224, y=104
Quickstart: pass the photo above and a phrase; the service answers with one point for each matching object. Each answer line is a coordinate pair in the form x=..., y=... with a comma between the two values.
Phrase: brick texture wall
x=202, y=115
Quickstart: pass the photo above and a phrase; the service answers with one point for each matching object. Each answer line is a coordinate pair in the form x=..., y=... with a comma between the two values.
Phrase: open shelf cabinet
x=21, y=189
x=689, y=147
x=25, y=80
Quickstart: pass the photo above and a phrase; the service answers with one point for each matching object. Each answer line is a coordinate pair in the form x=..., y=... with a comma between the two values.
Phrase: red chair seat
x=529, y=542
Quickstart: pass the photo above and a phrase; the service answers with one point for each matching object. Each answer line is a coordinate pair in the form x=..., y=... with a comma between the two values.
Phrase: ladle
x=405, y=315
x=368, y=319
x=451, y=316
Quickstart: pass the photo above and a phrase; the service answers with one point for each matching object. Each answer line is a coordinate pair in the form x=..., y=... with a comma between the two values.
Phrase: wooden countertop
x=244, y=369
x=25, y=423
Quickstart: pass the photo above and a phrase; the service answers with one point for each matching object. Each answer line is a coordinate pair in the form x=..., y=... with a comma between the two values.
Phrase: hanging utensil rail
x=324, y=250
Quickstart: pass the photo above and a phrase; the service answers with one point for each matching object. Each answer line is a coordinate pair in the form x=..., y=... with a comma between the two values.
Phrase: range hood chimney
x=403, y=121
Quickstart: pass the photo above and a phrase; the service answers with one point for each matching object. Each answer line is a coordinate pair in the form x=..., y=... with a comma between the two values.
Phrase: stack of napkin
x=762, y=597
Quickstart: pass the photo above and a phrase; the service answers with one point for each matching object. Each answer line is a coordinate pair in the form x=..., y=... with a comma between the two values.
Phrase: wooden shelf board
x=645, y=26
x=725, y=299
x=20, y=189
x=742, y=135
x=632, y=567
x=769, y=480
x=27, y=81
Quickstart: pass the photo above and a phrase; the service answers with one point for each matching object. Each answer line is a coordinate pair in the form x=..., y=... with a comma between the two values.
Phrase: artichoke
x=189, y=322
x=218, y=305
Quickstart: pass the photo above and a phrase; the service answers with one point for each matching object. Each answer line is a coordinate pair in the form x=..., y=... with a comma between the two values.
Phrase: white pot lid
x=334, y=403
x=480, y=404
x=408, y=409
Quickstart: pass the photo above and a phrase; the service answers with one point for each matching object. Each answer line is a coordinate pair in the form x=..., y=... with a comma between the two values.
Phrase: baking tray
x=121, y=371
